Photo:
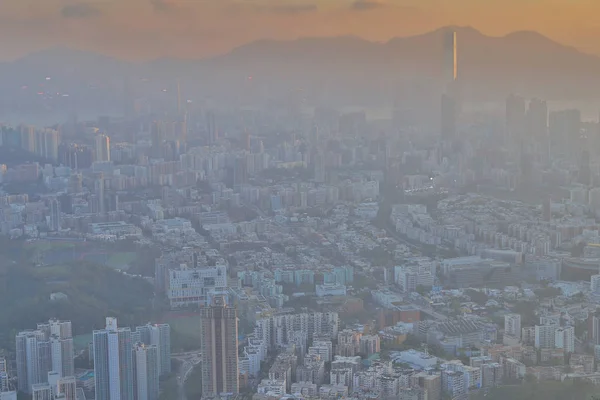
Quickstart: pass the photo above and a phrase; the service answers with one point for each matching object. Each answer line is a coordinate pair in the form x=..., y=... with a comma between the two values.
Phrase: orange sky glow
x=148, y=29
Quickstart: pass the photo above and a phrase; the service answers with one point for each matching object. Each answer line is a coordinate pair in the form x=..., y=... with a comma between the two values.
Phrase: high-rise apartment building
x=219, y=346
x=158, y=335
x=60, y=336
x=512, y=325
x=545, y=336
x=212, y=132
x=146, y=371
x=113, y=369
x=41, y=391
x=564, y=338
x=67, y=387
x=102, y=148
x=48, y=348
x=46, y=143
x=27, y=359
x=54, y=215
x=28, y=138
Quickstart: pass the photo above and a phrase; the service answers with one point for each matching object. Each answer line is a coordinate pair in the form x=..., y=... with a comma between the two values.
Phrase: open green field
x=47, y=245
x=121, y=260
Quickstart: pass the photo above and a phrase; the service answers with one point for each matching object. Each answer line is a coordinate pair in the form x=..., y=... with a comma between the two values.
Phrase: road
x=188, y=360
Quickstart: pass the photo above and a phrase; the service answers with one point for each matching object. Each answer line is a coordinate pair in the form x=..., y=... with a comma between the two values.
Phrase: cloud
x=80, y=10
x=364, y=5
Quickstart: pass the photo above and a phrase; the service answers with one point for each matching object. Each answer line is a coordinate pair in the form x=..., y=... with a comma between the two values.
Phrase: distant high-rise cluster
x=44, y=353
x=127, y=365
x=42, y=142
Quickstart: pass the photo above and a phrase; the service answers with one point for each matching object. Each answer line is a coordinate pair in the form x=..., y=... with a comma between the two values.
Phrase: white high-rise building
x=512, y=325
x=41, y=391
x=67, y=387
x=102, y=148
x=32, y=363
x=158, y=335
x=113, y=369
x=564, y=338
x=60, y=336
x=544, y=336
x=191, y=286
x=54, y=215
x=146, y=372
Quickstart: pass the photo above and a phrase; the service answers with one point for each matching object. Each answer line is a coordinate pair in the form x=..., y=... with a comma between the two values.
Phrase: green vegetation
x=546, y=390
x=168, y=388
x=93, y=291
x=121, y=260
x=185, y=333
x=193, y=384
x=379, y=256
x=547, y=292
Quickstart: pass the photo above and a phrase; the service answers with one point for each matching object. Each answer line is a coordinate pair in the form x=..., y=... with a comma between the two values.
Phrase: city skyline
x=143, y=29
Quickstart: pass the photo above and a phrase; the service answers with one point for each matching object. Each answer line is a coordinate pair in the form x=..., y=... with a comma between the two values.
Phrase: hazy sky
x=143, y=29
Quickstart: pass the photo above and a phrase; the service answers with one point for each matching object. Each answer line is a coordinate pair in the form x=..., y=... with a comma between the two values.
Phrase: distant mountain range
x=337, y=71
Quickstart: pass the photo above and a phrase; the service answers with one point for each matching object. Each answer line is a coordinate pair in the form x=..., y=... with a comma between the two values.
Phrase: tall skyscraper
x=102, y=148
x=218, y=343
x=48, y=348
x=99, y=192
x=158, y=335
x=450, y=67
x=54, y=215
x=33, y=359
x=145, y=372
x=28, y=138
x=113, y=369
x=46, y=143
x=212, y=132
x=512, y=325
x=449, y=103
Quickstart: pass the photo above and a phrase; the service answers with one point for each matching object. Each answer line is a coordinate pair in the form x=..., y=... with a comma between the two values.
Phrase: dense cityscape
x=184, y=251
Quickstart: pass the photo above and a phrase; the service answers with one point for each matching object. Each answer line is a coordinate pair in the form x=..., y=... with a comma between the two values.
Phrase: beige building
x=219, y=345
